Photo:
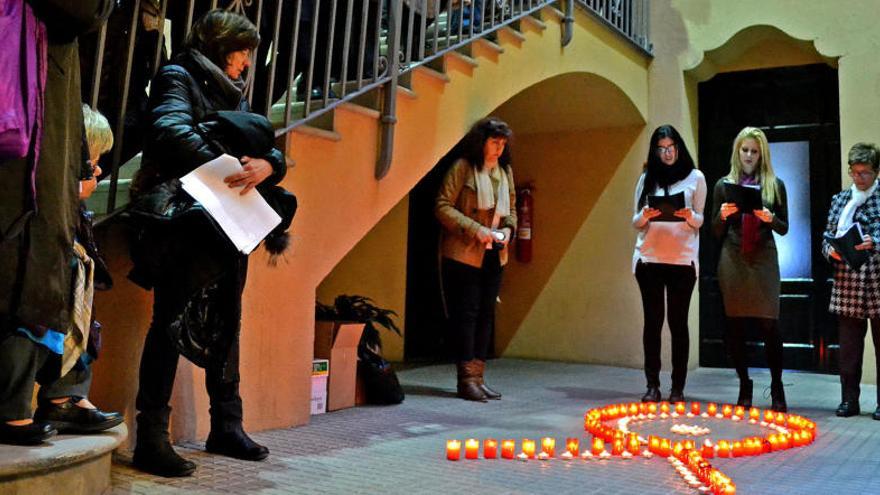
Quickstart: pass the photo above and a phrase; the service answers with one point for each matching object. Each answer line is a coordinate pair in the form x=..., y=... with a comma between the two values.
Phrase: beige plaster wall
x=577, y=300
x=376, y=268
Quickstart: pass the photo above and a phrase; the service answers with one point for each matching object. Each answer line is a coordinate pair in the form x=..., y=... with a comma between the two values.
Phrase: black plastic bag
x=380, y=382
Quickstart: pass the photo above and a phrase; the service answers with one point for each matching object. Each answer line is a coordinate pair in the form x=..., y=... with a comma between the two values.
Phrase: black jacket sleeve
x=66, y=19
x=173, y=131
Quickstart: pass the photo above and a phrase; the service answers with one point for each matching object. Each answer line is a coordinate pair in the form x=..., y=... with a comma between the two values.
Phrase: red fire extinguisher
x=524, y=214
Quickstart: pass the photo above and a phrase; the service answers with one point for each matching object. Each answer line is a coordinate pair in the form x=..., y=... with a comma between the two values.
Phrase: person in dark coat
x=748, y=268
x=36, y=246
x=855, y=296
x=206, y=77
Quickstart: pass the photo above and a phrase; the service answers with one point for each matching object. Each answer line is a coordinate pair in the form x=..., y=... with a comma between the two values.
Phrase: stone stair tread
x=59, y=452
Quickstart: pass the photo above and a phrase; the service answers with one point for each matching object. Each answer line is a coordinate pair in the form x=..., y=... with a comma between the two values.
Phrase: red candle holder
x=490, y=448
x=528, y=448
x=508, y=449
x=453, y=450
x=573, y=446
x=548, y=446
x=471, y=448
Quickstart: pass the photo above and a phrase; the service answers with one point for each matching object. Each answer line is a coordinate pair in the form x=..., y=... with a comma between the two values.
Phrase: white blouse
x=674, y=243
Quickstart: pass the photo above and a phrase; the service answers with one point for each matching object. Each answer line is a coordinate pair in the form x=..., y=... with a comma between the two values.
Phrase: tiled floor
x=400, y=449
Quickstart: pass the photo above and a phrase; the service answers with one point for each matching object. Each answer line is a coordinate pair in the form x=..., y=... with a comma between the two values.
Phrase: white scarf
x=486, y=194
x=857, y=199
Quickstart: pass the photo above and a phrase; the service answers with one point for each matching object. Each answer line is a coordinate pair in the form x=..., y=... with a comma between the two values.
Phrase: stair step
x=68, y=464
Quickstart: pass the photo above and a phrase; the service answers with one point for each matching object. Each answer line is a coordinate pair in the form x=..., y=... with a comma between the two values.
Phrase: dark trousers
x=24, y=363
x=735, y=341
x=156, y=379
x=852, y=348
x=470, y=297
x=675, y=284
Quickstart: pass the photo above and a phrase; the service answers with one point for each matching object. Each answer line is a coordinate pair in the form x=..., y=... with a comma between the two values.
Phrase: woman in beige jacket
x=476, y=207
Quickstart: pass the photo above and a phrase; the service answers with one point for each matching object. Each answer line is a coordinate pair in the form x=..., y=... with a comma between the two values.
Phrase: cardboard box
x=337, y=342
x=320, y=373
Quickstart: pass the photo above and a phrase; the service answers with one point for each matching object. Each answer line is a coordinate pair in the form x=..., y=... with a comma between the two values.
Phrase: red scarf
x=750, y=224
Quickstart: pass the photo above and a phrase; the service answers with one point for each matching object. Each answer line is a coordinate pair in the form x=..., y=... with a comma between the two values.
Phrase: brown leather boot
x=490, y=394
x=469, y=382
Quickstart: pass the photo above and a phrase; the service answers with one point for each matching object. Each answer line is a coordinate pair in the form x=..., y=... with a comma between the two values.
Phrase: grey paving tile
x=400, y=449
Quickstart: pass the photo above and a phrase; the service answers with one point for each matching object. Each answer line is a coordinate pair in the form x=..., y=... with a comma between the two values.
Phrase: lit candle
x=598, y=446
x=652, y=408
x=653, y=444
x=784, y=441
x=739, y=411
x=665, y=449
x=723, y=448
x=548, y=446
x=708, y=449
x=490, y=448
x=695, y=408
x=573, y=446
x=755, y=414
x=453, y=450
x=471, y=448
x=779, y=419
x=727, y=410
x=508, y=448
x=632, y=444
x=664, y=407
x=712, y=409
x=528, y=447
x=680, y=407
x=768, y=416
x=678, y=450
x=617, y=446
x=633, y=409
x=738, y=449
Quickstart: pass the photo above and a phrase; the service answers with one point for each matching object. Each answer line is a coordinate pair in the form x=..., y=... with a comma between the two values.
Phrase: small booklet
x=667, y=205
x=845, y=246
x=247, y=219
x=746, y=198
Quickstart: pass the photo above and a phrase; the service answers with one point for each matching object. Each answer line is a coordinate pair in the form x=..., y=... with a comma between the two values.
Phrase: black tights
x=736, y=345
x=666, y=291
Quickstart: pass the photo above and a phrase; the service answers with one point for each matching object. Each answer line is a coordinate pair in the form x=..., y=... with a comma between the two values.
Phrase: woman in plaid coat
x=855, y=298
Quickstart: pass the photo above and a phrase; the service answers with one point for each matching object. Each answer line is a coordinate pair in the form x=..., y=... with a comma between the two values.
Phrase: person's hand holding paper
x=254, y=171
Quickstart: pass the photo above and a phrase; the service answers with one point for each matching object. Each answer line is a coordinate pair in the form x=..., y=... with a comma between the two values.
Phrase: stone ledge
x=60, y=453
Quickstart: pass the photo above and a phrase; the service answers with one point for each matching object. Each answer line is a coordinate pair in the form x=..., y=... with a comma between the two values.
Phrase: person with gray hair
x=855, y=296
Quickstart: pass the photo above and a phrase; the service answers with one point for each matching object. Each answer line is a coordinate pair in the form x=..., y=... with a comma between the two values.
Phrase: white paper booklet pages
x=245, y=219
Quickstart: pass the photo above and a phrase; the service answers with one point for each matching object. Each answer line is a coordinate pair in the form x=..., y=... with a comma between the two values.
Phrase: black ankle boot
x=235, y=443
x=158, y=457
x=652, y=395
x=745, y=393
x=847, y=408
x=777, y=396
x=676, y=395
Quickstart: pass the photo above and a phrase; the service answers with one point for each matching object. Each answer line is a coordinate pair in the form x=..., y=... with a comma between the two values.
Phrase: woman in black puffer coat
x=191, y=295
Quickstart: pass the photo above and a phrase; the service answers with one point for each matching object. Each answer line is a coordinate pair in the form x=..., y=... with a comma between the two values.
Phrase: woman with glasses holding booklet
x=748, y=266
x=854, y=226
x=669, y=200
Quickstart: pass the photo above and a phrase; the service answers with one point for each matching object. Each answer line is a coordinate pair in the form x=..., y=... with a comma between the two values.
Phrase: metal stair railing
x=314, y=56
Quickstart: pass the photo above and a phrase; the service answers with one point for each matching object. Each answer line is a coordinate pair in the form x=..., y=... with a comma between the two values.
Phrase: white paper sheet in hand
x=245, y=219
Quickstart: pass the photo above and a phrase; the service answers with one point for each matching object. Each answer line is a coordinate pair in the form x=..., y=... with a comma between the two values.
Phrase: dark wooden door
x=797, y=107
